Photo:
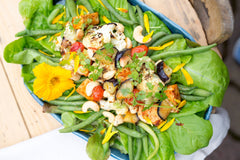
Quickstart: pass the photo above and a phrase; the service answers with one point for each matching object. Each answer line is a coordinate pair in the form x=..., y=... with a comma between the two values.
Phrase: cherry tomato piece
x=139, y=49
x=76, y=46
x=130, y=100
x=97, y=93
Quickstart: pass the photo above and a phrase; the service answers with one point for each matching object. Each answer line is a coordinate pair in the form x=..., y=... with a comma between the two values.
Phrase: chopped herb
x=108, y=58
x=134, y=75
x=150, y=85
x=125, y=91
x=99, y=52
x=76, y=21
x=109, y=47
x=141, y=95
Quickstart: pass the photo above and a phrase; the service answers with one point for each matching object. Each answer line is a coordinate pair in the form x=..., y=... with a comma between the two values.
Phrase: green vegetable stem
x=155, y=37
x=83, y=124
x=155, y=138
x=130, y=132
x=190, y=51
x=37, y=32
x=71, y=98
x=130, y=144
x=116, y=14
x=144, y=142
x=66, y=103
x=192, y=97
x=139, y=148
x=70, y=108
x=87, y=5
x=71, y=7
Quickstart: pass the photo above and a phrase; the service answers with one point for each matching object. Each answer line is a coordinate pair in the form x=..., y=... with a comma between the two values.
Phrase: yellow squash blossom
x=51, y=82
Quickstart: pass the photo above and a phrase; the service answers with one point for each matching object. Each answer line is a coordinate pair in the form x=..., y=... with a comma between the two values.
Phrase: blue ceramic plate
x=174, y=29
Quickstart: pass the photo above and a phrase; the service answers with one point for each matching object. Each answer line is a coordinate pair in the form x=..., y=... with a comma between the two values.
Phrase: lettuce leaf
x=24, y=51
x=194, y=134
x=208, y=72
x=35, y=13
x=95, y=149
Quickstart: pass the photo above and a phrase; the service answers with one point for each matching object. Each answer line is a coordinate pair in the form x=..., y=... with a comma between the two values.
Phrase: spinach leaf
x=194, y=134
x=28, y=75
x=156, y=24
x=95, y=149
x=23, y=51
x=68, y=119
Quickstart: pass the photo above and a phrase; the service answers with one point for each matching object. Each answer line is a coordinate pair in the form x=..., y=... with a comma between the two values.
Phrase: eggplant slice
x=122, y=54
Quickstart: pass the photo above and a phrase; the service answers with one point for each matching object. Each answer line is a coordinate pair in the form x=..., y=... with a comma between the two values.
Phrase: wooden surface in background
x=21, y=116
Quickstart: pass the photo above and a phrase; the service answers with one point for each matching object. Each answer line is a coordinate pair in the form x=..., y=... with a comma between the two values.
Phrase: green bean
x=71, y=98
x=51, y=109
x=139, y=149
x=140, y=15
x=129, y=131
x=164, y=40
x=71, y=7
x=155, y=138
x=116, y=14
x=68, y=14
x=130, y=144
x=156, y=37
x=81, y=80
x=37, y=32
x=182, y=52
x=66, y=103
x=70, y=108
x=192, y=98
x=87, y=5
x=132, y=15
x=144, y=142
x=185, y=88
x=53, y=14
x=83, y=124
x=197, y=92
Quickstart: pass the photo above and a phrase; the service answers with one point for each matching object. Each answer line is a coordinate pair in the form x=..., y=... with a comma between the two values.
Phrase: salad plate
x=175, y=28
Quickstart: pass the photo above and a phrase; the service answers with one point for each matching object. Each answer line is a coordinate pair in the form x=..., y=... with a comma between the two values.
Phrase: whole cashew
x=92, y=105
x=110, y=116
x=90, y=87
x=137, y=35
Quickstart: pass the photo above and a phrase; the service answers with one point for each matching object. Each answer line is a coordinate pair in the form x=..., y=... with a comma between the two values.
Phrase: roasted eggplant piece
x=106, y=56
x=163, y=71
x=125, y=90
x=123, y=58
x=114, y=81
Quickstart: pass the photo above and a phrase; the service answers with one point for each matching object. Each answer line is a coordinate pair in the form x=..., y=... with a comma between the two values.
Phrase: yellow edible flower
x=56, y=19
x=146, y=22
x=187, y=76
x=161, y=124
x=109, y=134
x=122, y=10
x=106, y=20
x=102, y=4
x=147, y=37
x=41, y=38
x=178, y=67
x=182, y=104
x=162, y=47
x=51, y=82
x=83, y=8
x=167, y=125
x=81, y=112
x=45, y=53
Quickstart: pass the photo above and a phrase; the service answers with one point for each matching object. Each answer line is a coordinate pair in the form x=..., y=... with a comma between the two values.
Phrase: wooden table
x=21, y=117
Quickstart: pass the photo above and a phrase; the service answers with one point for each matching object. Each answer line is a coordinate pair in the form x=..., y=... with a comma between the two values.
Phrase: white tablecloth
x=58, y=146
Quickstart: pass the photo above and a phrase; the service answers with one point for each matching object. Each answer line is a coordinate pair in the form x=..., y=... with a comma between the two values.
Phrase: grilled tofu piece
x=82, y=89
x=85, y=20
x=173, y=94
x=151, y=114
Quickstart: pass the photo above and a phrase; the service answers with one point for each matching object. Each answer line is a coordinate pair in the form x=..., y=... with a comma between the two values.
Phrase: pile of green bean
x=193, y=93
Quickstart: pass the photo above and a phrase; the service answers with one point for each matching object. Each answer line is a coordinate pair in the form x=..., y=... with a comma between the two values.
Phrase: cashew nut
x=128, y=43
x=124, y=61
x=118, y=120
x=115, y=120
x=110, y=116
x=105, y=105
x=92, y=105
x=109, y=74
x=119, y=27
x=80, y=34
x=137, y=35
x=90, y=87
x=75, y=76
